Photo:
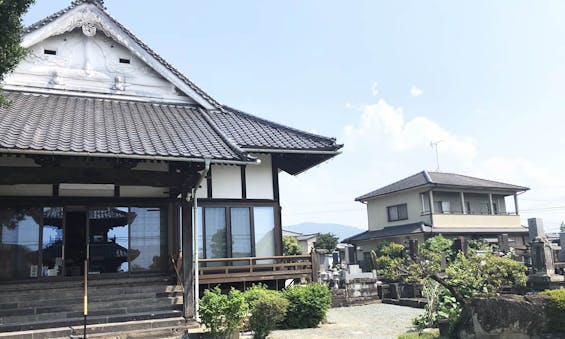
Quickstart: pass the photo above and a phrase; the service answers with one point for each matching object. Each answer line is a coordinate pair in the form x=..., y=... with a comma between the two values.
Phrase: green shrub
x=268, y=311
x=308, y=305
x=556, y=310
x=257, y=292
x=222, y=313
x=416, y=335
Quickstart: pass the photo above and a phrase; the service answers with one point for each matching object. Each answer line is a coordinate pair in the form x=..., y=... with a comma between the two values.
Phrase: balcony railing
x=248, y=269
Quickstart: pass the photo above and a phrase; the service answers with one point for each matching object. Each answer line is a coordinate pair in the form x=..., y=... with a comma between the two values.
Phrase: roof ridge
x=99, y=5
x=224, y=137
x=477, y=178
x=272, y=123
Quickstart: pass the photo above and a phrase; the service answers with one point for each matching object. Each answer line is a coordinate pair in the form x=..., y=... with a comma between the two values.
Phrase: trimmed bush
x=556, y=310
x=308, y=305
x=222, y=313
x=257, y=292
x=268, y=311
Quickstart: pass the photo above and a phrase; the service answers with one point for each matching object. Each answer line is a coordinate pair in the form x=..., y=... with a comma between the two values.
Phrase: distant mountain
x=341, y=231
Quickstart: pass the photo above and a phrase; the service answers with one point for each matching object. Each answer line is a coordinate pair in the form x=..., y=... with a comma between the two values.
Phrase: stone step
x=95, y=291
x=77, y=282
x=76, y=312
x=93, y=306
x=152, y=328
x=78, y=299
x=76, y=322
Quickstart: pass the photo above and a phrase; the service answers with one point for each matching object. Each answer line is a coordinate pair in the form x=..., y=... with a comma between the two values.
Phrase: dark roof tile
x=93, y=125
x=440, y=179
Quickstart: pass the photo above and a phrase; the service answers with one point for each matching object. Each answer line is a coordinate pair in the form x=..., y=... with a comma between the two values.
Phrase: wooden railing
x=248, y=269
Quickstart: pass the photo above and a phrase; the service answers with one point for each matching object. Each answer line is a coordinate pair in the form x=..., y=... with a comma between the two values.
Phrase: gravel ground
x=366, y=321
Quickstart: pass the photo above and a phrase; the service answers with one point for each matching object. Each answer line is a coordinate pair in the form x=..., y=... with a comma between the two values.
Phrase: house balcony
x=454, y=220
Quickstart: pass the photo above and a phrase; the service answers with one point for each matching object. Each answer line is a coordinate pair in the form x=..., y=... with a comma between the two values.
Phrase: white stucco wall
x=226, y=182
x=259, y=178
x=377, y=209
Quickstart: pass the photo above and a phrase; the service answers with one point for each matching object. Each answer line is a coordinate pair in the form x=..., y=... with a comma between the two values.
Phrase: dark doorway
x=75, y=242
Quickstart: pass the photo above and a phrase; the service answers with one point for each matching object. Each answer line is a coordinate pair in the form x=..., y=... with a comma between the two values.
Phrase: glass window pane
x=108, y=232
x=200, y=234
x=264, y=221
x=19, y=242
x=240, y=232
x=52, y=242
x=216, y=246
x=148, y=238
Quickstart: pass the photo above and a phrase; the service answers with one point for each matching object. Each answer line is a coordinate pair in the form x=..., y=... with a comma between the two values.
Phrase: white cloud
x=382, y=125
x=415, y=91
x=375, y=89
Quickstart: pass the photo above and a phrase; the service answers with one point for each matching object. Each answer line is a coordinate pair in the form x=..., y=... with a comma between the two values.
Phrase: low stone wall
x=506, y=317
x=356, y=291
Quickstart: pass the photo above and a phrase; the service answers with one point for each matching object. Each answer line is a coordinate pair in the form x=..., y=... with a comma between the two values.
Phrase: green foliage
x=308, y=305
x=417, y=335
x=257, y=292
x=268, y=311
x=461, y=277
x=389, y=256
x=222, y=313
x=327, y=241
x=11, y=27
x=556, y=310
x=441, y=305
x=290, y=246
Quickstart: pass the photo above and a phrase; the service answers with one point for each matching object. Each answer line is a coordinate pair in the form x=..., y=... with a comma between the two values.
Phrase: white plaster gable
x=89, y=45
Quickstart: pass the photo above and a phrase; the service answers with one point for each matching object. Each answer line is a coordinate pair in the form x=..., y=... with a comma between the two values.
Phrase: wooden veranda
x=255, y=269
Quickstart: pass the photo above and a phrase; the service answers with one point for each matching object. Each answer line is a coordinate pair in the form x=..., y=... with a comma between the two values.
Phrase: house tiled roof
x=391, y=231
x=249, y=131
x=154, y=54
x=66, y=123
x=440, y=179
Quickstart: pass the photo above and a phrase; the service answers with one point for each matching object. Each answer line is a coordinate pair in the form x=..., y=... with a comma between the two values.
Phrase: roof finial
x=96, y=2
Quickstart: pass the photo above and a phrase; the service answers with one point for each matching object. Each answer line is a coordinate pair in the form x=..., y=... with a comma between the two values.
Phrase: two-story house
x=430, y=203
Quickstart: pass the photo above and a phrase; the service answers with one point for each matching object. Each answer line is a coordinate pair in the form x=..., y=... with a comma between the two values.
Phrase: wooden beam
x=118, y=176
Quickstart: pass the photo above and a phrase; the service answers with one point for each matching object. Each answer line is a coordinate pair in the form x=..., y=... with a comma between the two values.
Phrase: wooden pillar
x=315, y=265
x=187, y=257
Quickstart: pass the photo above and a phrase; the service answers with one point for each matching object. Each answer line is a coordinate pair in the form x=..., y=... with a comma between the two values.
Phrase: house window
x=397, y=212
x=442, y=206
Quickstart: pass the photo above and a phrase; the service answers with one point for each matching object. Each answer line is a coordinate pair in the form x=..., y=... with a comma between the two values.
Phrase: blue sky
x=385, y=78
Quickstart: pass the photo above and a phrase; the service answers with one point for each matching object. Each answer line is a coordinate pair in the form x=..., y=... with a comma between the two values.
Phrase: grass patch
x=417, y=335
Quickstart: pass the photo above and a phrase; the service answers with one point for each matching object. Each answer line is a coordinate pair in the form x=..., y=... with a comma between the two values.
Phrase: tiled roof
x=65, y=123
x=249, y=131
x=440, y=179
x=154, y=54
x=391, y=231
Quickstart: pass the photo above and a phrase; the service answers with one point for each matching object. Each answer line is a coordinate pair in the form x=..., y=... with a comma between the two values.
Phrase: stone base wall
x=507, y=317
x=356, y=291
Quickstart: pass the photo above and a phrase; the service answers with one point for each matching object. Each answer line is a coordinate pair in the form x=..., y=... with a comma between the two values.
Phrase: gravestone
x=503, y=243
x=562, y=244
x=543, y=266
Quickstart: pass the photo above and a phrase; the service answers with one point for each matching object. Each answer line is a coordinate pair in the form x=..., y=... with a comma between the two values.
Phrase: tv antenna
x=434, y=144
